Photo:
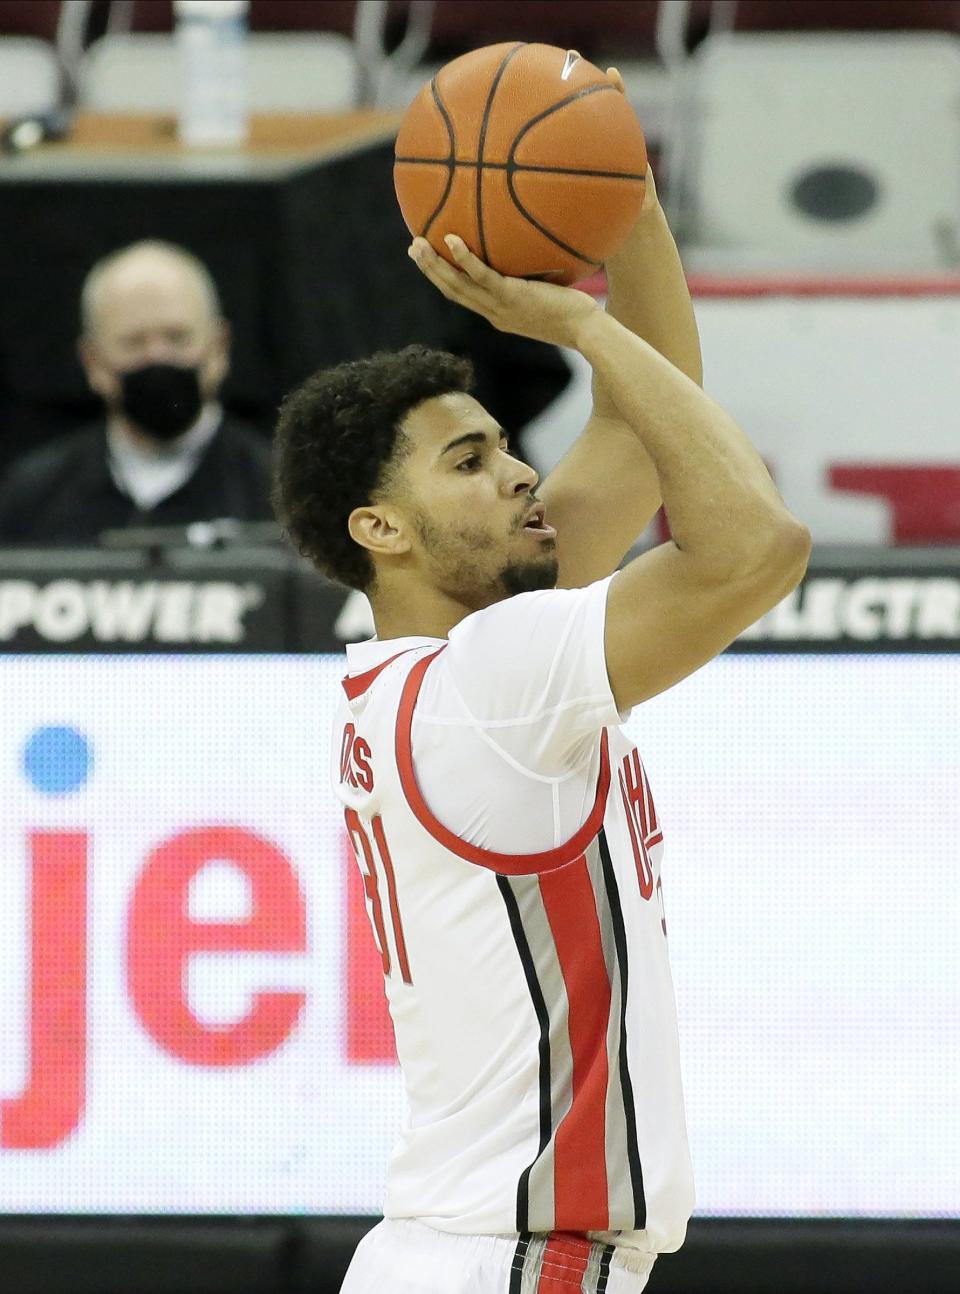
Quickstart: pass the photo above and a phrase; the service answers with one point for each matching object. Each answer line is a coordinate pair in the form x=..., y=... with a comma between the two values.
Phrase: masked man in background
x=154, y=347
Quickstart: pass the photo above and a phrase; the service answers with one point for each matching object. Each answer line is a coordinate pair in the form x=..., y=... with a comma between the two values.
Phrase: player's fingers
x=615, y=79
x=472, y=265
x=454, y=285
x=434, y=276
x=441, y=274
x=650, y=199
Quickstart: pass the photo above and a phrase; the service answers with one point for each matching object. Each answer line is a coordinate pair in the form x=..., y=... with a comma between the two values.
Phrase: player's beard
x=466, y=566
x=527, y=577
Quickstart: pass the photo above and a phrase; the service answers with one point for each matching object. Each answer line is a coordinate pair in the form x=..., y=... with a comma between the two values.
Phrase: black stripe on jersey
x=518, y=1264
x=543, y=1019
x=626, y=1085
x=604, y=1273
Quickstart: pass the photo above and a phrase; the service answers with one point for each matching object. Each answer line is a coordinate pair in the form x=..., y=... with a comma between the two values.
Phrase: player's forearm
x=722, y=506
x=647, y=292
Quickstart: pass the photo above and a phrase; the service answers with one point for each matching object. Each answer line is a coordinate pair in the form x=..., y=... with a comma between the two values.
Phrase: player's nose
x=523, y=478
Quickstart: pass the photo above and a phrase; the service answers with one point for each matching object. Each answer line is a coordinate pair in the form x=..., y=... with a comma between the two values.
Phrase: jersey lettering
x=355, y=755
x=641, y=817
x=363, y=850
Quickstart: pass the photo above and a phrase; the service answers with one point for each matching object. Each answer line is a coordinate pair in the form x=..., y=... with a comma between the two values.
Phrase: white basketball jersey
x=510, y=852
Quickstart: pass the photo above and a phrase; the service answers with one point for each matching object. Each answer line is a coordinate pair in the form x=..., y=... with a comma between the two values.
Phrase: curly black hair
x=336, y=440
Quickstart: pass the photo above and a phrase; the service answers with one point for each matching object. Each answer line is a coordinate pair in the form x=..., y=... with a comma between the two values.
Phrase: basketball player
x=503, y=823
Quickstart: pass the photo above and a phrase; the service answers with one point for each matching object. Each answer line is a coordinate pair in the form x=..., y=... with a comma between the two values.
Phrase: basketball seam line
x=558, y=242
x=547, y=112
x=582, y=93
x=484, y=123
x=521, y=166
x=451, y=135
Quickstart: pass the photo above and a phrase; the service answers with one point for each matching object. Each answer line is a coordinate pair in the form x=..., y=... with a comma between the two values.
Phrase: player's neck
x=415, y=612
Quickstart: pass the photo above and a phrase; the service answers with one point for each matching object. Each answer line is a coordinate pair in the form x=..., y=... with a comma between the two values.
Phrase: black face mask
x=161, y=399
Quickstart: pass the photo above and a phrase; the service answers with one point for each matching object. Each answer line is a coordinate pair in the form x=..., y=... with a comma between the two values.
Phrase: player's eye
x=469, y=464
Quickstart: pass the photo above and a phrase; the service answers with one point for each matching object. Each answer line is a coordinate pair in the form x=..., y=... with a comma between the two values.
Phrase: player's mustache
x=521, y=517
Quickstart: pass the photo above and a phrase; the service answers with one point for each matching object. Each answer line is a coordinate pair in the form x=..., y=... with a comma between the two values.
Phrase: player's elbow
x=781, y=557
x=793, y=548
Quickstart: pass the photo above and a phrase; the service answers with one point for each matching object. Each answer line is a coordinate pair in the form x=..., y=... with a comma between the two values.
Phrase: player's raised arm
x=736, y=549
x=604, y=491
x=647, y=292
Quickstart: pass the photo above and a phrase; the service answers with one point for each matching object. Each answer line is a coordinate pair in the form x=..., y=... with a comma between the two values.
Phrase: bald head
x=143, y=273
x=151, y=303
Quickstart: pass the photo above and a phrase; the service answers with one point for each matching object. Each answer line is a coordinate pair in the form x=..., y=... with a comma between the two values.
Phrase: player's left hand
x=651, y=202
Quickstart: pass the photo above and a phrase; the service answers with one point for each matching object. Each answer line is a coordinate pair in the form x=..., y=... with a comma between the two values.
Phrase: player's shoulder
x=528, y=656
x=515, y=619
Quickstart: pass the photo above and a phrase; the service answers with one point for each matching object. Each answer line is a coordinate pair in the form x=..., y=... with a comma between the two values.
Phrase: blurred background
x=198, y=1087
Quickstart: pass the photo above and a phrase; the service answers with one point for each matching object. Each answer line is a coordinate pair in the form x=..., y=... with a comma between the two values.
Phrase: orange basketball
x=529, y=154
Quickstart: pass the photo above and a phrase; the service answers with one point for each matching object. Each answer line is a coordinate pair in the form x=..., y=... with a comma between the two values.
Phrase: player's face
x=478, y=528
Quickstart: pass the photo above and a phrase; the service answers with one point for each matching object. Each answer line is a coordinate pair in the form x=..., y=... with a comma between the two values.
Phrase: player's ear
x=378, y=530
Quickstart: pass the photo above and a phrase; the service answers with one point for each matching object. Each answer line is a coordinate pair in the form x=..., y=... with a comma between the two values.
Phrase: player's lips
x=535, y=524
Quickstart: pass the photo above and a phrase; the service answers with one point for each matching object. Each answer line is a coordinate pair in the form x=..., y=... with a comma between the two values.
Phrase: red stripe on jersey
x=381, y=840
x=506, y=864
x=580, y=1161
x=355, y=685
x=564, y=1264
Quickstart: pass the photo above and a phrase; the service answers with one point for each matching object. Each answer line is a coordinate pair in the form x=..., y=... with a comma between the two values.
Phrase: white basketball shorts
x=403, y=1256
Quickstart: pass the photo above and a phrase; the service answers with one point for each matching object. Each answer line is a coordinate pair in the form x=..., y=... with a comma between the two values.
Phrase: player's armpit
x=667, y=615
x=600, y=497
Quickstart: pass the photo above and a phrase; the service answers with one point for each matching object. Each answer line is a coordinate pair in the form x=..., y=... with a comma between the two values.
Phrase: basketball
x=529, y=154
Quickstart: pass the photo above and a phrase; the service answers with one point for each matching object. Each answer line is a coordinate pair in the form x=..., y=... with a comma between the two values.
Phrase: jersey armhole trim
x=356, y=684
x=506, y=864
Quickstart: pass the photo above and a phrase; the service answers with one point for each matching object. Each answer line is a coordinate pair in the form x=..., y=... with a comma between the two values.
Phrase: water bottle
x=211, y=35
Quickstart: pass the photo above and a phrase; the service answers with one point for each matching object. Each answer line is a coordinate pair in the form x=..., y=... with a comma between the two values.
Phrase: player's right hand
x=543, y=311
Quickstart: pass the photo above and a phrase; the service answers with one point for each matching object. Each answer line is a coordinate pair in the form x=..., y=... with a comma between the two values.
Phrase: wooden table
x=141, y=143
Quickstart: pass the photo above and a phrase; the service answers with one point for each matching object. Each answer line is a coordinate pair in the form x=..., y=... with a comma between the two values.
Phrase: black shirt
x=64, y=492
